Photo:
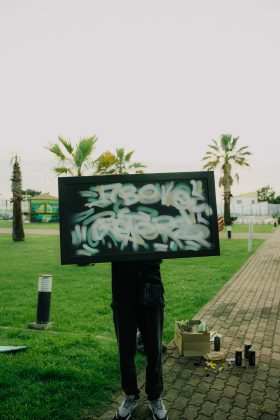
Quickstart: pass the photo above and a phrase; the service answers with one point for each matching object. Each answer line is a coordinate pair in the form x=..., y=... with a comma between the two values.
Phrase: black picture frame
x=137, y=217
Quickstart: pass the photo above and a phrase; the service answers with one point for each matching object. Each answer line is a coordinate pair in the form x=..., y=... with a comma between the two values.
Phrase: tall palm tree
x=73, y=159
x=17, y=231
x=117, y=163
x=225, y=156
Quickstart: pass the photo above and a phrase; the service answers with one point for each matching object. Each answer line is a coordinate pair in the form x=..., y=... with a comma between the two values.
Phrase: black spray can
x=252, y=357
x=238, y=357
x=217, y=343
x=247, y=347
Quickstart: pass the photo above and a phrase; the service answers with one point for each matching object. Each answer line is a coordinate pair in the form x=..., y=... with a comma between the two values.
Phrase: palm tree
x=117, y=163
x=17, y=231
x=73, y=159
x=225, y=155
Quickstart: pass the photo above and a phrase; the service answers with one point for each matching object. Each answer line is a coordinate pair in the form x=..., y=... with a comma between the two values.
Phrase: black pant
x=128, y=316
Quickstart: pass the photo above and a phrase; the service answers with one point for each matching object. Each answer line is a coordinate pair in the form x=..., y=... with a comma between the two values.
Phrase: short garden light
x=44, y=303
x=229, y=231
x=44, y=298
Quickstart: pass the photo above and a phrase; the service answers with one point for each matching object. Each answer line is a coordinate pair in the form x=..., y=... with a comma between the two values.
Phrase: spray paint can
x=238, y=357
x=217, y=343
x=247, y=347
x=252, y=356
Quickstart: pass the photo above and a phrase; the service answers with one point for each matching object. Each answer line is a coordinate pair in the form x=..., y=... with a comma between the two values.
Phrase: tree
x=117, y=163
x=17, y=231
x=266, y=194
x=225, y=156
x=73, y=159
x=105, y=163
x=31, y=193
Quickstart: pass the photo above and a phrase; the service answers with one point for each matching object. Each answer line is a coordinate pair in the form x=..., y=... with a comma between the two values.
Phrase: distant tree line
x=267, y=193
x=30, y=193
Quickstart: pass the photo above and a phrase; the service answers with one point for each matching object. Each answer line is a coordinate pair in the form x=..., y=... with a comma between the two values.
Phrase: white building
x=248, y=205
x=243, y=204
x=6, y=207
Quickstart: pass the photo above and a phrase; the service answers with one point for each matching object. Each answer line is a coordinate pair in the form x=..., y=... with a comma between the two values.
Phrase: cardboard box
x=189, y=341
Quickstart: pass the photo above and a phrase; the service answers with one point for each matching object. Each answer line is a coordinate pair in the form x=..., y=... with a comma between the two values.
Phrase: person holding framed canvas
x=138, y=303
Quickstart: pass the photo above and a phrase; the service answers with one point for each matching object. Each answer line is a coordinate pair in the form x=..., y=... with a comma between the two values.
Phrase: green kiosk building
x=43, y=208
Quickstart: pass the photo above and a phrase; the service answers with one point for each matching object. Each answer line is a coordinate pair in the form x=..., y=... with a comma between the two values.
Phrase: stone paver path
x=247, y=308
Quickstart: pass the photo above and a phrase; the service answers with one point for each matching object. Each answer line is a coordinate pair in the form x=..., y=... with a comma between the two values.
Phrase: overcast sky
x=161, y=77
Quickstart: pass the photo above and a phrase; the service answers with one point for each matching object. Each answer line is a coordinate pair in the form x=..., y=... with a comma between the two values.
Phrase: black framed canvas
x=137, y=217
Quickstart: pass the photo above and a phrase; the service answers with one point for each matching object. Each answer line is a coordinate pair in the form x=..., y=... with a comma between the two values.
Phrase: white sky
x=161, y=77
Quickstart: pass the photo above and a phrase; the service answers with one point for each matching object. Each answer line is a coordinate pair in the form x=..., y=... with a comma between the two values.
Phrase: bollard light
x=44, y=304
x=229, y=232
x=44, y=298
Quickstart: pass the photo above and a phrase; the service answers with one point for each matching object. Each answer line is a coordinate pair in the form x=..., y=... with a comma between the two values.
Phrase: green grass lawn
x=75, y=366
x=256, y=228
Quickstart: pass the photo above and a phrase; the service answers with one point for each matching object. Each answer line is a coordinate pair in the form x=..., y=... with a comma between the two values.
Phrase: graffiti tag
x=125, y=216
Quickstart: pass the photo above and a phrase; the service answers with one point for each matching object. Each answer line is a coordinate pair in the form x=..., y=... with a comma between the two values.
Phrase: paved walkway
x=247, y=308
x=31, y=231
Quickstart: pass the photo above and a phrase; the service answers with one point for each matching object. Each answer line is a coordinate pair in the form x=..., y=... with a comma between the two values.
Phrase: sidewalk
x=247, y=308
x=33, y=231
